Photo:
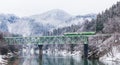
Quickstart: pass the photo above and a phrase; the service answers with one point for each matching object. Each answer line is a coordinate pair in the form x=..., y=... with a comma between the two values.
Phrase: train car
x=79, y=33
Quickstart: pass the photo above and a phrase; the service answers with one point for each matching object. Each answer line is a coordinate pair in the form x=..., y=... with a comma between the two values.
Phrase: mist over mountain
x=40, y=24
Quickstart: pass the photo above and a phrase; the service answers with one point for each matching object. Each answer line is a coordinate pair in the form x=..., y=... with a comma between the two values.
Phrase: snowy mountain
x=59, y=18
x=53, y=14
x=55, y=18
x=39, y=24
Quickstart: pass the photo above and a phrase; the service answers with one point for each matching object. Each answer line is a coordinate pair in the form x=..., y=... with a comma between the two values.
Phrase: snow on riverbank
x=62, y=53
x=112, y=57
x=2, y=61
x=76, y=55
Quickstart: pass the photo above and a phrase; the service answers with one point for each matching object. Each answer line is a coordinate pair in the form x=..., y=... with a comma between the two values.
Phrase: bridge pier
x=40, y=54
x=40, y=50
x=71, y=48
x=86, y=48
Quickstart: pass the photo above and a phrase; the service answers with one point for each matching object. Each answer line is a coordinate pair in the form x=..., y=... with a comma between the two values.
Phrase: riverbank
x=112, y=57
x=56, y=52
x=2, y=61
x=107, y=59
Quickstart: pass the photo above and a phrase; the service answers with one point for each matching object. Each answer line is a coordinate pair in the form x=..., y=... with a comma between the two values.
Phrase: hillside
x=40, y=24
x=109, y=20
x=103, y=47
x=4, y=47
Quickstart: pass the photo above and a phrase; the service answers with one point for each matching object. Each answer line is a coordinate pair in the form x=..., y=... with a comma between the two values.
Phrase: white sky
x=74, y=7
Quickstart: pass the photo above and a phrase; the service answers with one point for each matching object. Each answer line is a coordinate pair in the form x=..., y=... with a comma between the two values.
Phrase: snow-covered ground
x=112, y=58
x=62, y=53
x=2, y=61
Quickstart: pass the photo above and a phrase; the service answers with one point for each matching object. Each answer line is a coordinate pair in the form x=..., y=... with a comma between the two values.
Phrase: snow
x=52, y=19
x=0, y=22
x=20, y=27
x=58, y=18
x=2, y=61
x=112, y=57
x=62, y=53
x=55, y=14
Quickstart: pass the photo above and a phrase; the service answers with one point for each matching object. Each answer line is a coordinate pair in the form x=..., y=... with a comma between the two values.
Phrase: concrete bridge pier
x=40, y=50
x=86, y=51
x=40, y=54
x=71, y=48
x=86, y=48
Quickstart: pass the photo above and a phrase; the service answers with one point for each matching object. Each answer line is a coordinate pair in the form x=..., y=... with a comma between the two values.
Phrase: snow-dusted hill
x=56, y=17
x=39, y=24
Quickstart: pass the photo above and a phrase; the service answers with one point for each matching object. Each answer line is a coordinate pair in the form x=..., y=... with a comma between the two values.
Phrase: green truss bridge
x=67, y=38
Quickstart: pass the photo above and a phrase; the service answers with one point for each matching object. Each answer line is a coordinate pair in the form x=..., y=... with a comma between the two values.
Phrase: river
x=28, y=58
x=53, y=60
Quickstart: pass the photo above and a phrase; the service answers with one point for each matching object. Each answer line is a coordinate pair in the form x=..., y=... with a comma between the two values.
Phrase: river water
x=53, y=60
x=28, y=58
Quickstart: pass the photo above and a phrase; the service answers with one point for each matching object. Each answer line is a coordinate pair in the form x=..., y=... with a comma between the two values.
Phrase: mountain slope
x=55, y=18
x=40, y=24
x=108, y=21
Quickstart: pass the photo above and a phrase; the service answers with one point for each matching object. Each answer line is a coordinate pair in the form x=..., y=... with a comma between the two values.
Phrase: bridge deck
x=46, y=40
x=67, y=38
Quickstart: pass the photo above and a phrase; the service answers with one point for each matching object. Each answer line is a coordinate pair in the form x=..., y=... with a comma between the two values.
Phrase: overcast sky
x=74, y=7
